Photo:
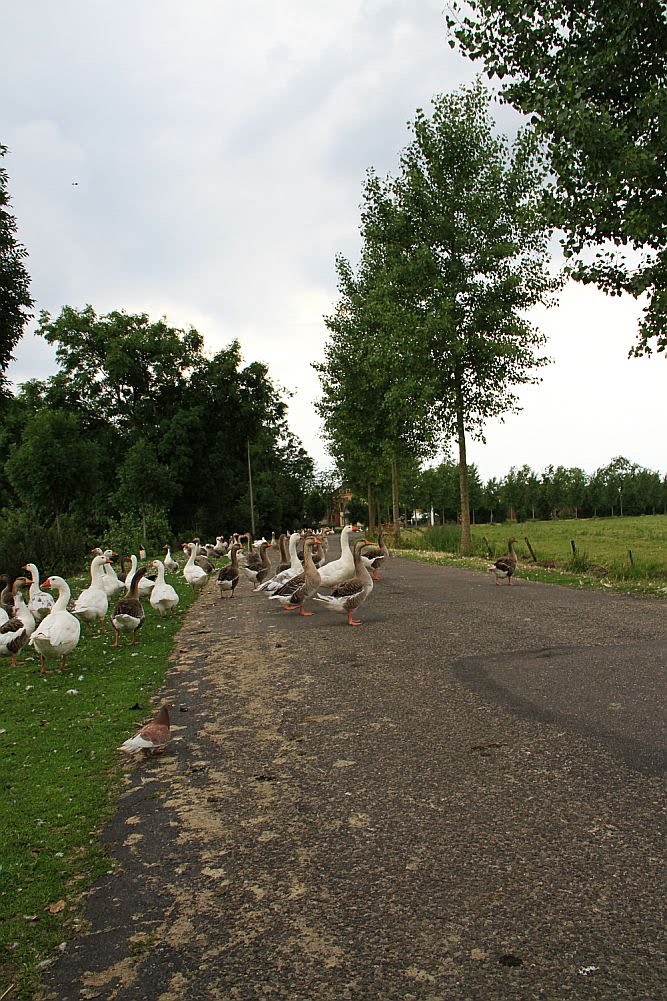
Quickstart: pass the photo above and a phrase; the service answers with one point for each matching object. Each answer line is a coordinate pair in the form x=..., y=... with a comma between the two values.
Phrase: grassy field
x=628, y=554
x=60, y=775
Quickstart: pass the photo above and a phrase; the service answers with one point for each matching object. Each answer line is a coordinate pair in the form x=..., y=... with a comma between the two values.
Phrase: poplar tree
x=476, y=250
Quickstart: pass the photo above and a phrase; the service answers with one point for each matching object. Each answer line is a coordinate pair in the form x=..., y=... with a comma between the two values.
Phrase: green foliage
x=120, y=367
x=55, y=467
x=143, y=481
x=54, y=548
x=591, y=76
x=139, y=418
x=15, y=301
x=129, y=531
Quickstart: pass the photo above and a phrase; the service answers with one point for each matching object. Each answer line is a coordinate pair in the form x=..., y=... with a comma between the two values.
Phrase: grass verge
x=60, y=778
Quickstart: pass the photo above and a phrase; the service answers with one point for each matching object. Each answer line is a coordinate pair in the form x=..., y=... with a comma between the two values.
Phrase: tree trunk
x=371, y=509
x=396, y=514
x=464, y=486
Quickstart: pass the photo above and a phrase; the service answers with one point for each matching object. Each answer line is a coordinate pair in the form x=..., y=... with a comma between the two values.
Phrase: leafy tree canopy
x=121, y=366
x=15, y=301
x=592, y=77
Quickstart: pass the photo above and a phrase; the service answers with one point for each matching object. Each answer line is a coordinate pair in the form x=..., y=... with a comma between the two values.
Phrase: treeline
x=619, y=488
x=141, y=437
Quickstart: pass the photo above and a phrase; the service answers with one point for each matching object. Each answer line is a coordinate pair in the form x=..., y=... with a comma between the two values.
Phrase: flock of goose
x=52, y=626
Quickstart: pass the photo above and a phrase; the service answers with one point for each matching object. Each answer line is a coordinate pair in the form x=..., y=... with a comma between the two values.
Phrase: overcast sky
x=219, y=151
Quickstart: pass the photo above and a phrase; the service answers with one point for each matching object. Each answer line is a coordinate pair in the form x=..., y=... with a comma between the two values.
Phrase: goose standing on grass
x=146, y=584
x=229, y=576
x=506, y=565
x=152, y=737
x=93, y=603
x=195, y=575
x=39, y=602
x=351, y=593
x=13, y=637
x=111, y=582
x=58, y=634
x=163, y=597
x=6, y=596
x=128, y=615
x=220, y=547
x=170, y=563
x=341, y=569
x=21, y=610
x=294, y=591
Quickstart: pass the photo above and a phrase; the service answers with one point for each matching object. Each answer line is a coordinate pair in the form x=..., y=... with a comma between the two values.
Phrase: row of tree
x=429, y=337
x=619, y=488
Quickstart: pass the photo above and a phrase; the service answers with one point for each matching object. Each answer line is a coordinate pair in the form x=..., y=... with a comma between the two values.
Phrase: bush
x=59, y=548
x=126, y=534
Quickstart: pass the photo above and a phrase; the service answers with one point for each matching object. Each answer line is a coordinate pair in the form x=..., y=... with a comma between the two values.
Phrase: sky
x=204, y=161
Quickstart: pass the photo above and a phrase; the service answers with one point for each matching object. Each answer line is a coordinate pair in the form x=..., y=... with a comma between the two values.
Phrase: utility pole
x=252, y=505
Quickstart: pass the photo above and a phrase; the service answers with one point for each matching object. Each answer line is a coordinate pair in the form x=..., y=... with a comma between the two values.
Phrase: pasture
x=628, y=554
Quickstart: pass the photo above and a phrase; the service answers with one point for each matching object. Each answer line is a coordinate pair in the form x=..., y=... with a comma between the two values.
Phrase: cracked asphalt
x=462, y=799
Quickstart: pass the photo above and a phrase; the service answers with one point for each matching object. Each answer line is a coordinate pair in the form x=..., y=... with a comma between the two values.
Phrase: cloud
x=220, y=152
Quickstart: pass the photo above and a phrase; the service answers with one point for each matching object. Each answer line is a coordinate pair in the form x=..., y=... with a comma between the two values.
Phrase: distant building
x=336, y=516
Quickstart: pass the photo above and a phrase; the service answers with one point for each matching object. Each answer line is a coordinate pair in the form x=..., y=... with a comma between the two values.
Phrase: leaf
x=55, y=908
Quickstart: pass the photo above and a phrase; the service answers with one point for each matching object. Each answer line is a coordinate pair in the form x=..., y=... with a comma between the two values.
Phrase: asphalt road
x=462, y=799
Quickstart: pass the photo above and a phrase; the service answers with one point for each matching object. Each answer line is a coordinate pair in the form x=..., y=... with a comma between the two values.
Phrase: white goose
x=111, y=582
x=21, y=610
x=93, y=602
x=341, y=569
x=145, y=584
x=163, y=596
x=295, y=567
x=39, y=602
x=170, y=563
x=58, y=634
x=195, y=576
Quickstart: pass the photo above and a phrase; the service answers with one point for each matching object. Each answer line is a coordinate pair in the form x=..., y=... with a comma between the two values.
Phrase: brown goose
x=257, y=570
x=375, y=555
x=294, y=591
x=349, y=595
x=13, y=637
x=284, y=561
x=128, y=615
x=506, y=565
x=228, y=577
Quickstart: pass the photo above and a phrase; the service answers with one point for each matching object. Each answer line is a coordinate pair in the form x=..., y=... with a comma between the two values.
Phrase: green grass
x=60, y=776
x=626, y=554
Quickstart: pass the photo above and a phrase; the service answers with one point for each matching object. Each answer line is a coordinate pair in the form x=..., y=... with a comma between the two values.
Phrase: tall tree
x=15, y=301
x=592, y=76
x=372, y=401
x=477, y=253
